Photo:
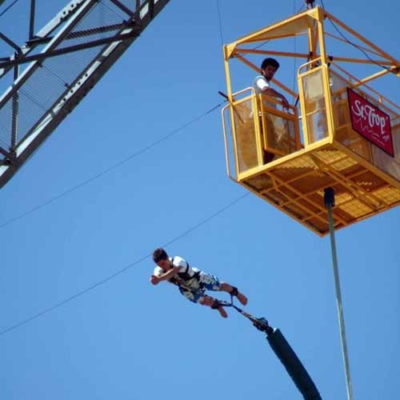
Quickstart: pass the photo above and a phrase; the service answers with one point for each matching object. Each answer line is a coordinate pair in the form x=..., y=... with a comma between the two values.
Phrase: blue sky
x=126, y=339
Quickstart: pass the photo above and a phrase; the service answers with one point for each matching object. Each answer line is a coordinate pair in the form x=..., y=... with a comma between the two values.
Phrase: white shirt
x=190, y=284
x=176, y=262
x=261, y=83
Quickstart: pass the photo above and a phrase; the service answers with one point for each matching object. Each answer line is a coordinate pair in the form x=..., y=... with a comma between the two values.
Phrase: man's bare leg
x=226, y=287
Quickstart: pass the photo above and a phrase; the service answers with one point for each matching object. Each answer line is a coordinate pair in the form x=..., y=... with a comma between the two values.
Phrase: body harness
x=187, y=282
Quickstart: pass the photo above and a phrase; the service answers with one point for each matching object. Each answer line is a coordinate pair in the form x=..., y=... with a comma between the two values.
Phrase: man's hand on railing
x=285, y=103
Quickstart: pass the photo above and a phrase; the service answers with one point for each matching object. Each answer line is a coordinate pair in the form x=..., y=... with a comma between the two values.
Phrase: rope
x=354, y=44
x=8, y=8
x=260, y=323
x=109, y=169
x=122, y=270
x=220, y=22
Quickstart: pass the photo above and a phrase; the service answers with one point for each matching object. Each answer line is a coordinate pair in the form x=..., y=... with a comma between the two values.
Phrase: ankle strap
x=234, y=291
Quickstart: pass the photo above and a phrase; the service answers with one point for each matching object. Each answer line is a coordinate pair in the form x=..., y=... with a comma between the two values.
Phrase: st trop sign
x=370, y=122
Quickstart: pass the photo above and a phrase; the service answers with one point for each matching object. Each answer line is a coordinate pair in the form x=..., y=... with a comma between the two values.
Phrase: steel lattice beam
x=75, y=30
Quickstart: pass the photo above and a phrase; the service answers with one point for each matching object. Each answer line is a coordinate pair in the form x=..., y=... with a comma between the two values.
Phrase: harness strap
x=234, y=291
x=260, y=323
x=184, y=276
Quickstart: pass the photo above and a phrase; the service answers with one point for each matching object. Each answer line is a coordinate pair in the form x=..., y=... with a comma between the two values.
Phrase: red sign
x=370, y=122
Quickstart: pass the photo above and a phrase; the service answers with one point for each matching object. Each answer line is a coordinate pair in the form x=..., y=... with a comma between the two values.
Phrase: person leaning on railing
x=261, y=85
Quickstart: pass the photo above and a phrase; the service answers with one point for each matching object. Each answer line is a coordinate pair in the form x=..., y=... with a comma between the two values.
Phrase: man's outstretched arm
x=166, y=276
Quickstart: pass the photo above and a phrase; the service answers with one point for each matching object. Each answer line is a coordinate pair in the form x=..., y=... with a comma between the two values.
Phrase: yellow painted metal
x=364, y=40
x=288, y=27
x=273, y=53
x=290, y=167
x=340, y=39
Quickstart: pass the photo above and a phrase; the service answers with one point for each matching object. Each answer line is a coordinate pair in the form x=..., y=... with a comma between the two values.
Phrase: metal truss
x=56, y=67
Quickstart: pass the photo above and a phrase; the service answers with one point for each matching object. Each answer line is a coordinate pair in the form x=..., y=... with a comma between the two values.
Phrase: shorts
x=208, y=282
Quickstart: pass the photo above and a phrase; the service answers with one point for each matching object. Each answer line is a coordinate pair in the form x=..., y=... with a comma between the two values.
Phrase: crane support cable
x=111, y=167
x=122, y=270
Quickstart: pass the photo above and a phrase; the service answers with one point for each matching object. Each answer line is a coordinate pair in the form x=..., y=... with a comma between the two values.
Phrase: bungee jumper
x=192, y=282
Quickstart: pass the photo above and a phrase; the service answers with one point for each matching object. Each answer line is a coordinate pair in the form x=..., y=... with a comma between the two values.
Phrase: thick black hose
x=293, y=365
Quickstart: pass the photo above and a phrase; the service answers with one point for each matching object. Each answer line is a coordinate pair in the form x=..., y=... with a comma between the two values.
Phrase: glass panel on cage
x=245, y=135
x=314, y=104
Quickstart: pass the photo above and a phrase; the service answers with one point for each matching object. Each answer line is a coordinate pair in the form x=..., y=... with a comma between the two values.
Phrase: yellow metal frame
x=360, y=173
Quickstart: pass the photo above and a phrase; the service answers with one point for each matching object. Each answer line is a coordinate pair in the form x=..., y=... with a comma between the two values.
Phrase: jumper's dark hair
x=159, y=254
x=270, y=61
